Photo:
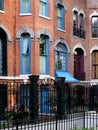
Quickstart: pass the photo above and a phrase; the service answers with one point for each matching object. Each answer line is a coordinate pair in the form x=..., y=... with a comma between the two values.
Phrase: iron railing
x=79, y=32
x=48, y=105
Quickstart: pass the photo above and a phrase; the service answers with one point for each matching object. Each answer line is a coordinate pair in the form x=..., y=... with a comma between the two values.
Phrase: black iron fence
x=76, y=121
x=48, y=105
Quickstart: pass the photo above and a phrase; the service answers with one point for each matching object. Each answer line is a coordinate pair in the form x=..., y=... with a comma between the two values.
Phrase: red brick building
x=49, y=38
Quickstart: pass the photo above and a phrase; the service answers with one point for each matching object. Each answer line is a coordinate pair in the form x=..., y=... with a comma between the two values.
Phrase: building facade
x=49, y=38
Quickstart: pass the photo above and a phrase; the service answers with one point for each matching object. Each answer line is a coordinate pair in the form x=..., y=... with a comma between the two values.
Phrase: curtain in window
x=25, y=54
x=25, y=45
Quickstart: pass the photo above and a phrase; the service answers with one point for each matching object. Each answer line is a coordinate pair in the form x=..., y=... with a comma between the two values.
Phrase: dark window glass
x=1, y=5
x=75, y=18
x=95, y=26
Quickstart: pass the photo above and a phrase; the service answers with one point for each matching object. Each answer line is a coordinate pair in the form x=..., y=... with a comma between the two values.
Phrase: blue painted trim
x=21, y=41
x=66, y=61
x=47, y=8
x=44, y=95
x=47, y=55
x=63, y=19
x=24, y=95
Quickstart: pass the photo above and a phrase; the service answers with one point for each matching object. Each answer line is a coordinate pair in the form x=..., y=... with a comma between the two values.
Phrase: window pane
x=61, y=47
x=25, y=45
x=93, y=58
x=42, y=64
x=81, y=21
x=42, y=46
x=26, y=63
x=94, y=26
x=25, y=54
x=60, y=61
x=59, y=12
x=94, y=32
x=75, y=18
x=60, y=57
x=59, y=17
x=25, y=6
x=1, y=5
x=42, y=8
x=95, y=64
x=63, y=58
x=59, y=22
x=44, y=55
x=25, y=93
x=94, y=21
x=96, y=71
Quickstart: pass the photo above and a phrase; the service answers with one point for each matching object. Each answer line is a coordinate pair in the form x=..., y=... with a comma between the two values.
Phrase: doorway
x=79, y=64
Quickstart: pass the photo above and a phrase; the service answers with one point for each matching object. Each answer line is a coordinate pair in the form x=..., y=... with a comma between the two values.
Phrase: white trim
x=61, y=30
x=62, y=41
x=25, y=14
x=94, y=48
x=1, y=11
x=82, y=12
x=79, y=45
x=45, y=77
x=24, y=77
x=14, y=77
x=75, y=9
x=95, y=13
x=45, y=17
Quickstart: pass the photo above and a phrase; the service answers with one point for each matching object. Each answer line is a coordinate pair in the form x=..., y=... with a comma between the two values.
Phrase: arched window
x=44, y=53
x=25, y=54
x=61, y=57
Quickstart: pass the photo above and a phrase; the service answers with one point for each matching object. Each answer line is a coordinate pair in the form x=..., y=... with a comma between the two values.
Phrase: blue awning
x=67, y=75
